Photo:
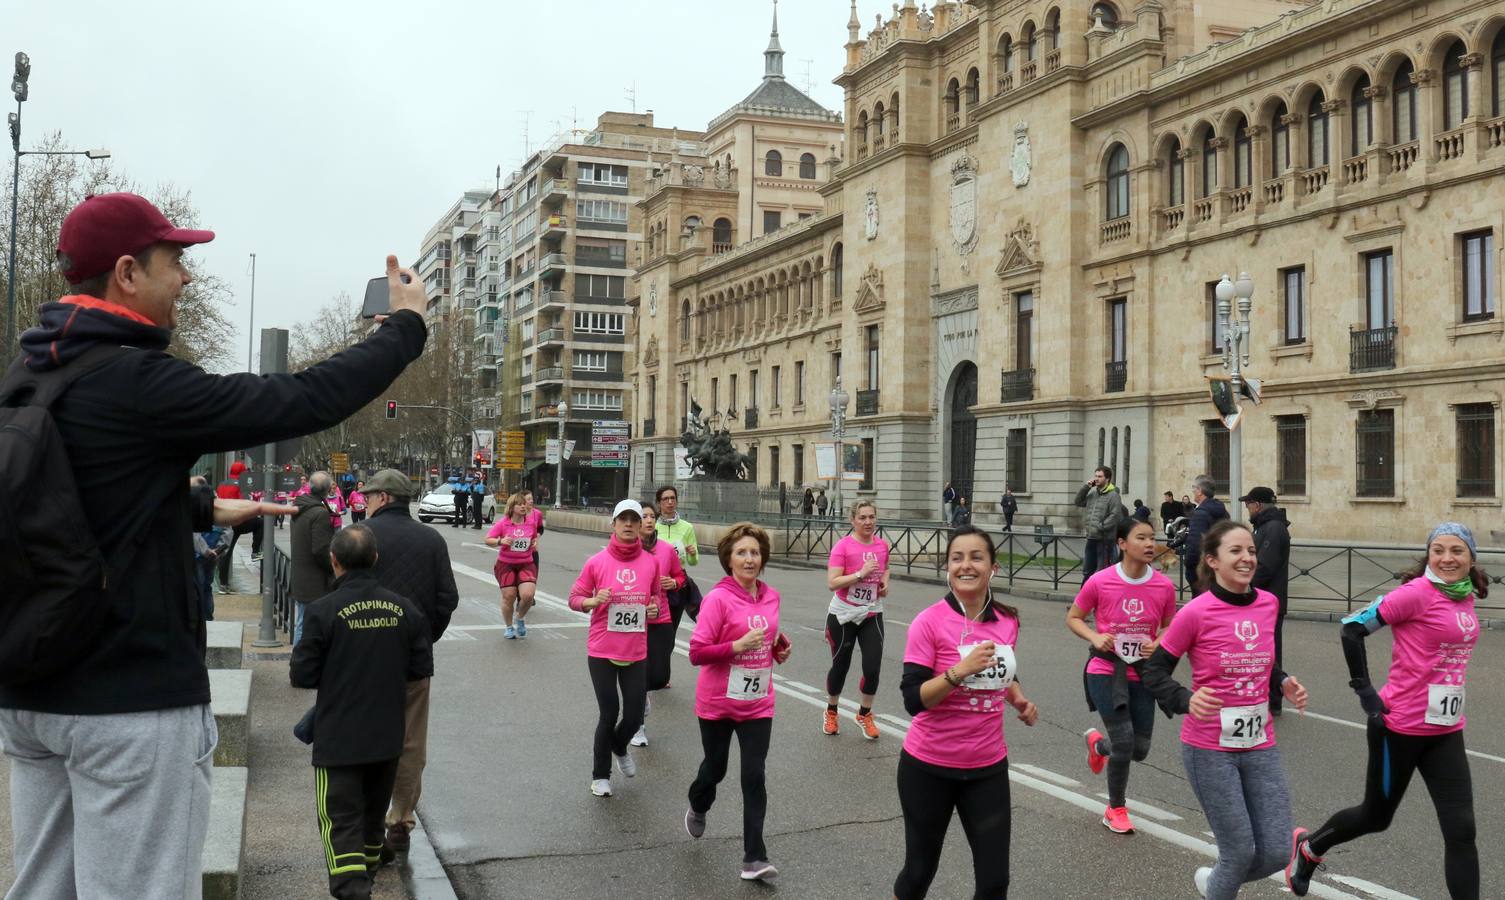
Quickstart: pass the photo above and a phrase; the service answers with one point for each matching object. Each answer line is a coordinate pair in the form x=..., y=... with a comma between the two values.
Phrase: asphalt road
x=506, y=797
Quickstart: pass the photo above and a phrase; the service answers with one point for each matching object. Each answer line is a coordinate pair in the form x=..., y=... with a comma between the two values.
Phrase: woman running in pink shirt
x=736, y=643
x=1130, y=604
x=660, y=630
x=515, y=535
x=619, y=588
x=959, y=673
x=1416, y=720
x=1228, y=738
x=858, y=574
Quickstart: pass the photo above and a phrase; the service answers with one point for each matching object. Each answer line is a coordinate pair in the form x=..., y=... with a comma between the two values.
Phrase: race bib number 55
x=996, y=677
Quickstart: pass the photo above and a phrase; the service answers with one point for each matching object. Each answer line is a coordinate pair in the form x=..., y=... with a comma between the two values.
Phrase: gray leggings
x=1128, y=731
x=1245, y=798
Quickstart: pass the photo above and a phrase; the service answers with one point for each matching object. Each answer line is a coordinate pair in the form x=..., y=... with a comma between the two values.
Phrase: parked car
x=439, y=503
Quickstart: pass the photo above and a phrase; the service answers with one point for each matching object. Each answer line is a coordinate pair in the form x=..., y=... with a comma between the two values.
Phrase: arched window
x=1362, y=130
x=953, y=97
x=1454, y=88
x=1497, y=70
x=878, y=126
x=893, y=118
x=1316, y=133
x=692, y=225
x=1209, y=164
x=807, y=165
x=1053, y=29
x=1006, y=53
x=1403, y=104
x=684, y=322
x=1105, y=13
x=1175, y=191
x=1027, y=38
x=862, y=129
x=773, y=164
x=836, y=260
x=1118, y=182
x=1243, y=154
x=973, y=81
x=1280, y=141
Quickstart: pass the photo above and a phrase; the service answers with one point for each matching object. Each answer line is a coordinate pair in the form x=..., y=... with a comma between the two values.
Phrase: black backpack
x=53, y=605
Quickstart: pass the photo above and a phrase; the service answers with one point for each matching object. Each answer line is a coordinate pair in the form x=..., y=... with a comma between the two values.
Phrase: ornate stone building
x=1042, y=195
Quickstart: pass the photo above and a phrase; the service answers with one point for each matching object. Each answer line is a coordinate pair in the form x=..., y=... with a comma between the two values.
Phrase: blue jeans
x=298, y=609
x=1098, y=554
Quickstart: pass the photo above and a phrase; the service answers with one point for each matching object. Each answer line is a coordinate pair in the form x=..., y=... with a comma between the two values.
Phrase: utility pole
x=251, y=327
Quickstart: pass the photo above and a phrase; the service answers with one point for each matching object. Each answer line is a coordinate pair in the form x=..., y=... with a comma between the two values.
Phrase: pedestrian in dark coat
x=1170, y=510
x=1009, y=505
x=308, y=547
x=1209, y=511
x=1272, y=548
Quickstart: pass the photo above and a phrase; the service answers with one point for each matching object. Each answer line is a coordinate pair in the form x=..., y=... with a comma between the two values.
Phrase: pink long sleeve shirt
x=668, y=564
x=618, y=627
x=733, y=685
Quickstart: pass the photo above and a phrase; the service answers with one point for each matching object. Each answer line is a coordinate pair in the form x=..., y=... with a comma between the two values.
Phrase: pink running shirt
x=618, y=627
x=1232, y=650
x=1126, y=609
x=851, y=554
x=965, y=730
x=668, y=564
x=732, y=685
x=1433, y=642
x=514, y=535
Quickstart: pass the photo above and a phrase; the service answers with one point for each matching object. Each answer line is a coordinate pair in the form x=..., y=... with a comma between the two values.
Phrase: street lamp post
x=1233, y=324
x=564, y=409
x=839, y=400
x=20, y=90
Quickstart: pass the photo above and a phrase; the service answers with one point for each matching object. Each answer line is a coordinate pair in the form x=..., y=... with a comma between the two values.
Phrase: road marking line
x=892, y=720
x=463, y=628
x=1369, y=887
x=1047, y=774
x=1362, y=727
x=1139, y=808
x=799, y=685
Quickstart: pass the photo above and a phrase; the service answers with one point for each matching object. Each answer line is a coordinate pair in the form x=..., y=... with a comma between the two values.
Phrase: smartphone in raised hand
x=378, y=300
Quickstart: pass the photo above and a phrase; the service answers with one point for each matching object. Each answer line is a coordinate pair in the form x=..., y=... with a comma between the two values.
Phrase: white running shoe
x=627, y=765
x=1200, y=879
x=601, y=787
x=641, y=738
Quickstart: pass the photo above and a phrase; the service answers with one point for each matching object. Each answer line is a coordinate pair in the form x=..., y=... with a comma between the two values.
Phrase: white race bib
x=996, y=677
x=520, y=545
x=1244, y=727
x=630, y=618
x=1444, y=704
x=748, y=684
x=865, y=594
x=1129, y=647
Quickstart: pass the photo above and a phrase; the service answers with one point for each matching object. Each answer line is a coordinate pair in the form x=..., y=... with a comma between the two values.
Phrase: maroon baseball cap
x=106, y=227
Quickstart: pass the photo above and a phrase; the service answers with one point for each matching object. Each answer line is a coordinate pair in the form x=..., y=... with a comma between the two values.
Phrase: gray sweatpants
x=111, y=806
x=1245, y=798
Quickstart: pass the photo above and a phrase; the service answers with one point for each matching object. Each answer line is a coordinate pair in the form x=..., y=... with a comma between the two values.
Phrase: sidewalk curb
x=423, y=874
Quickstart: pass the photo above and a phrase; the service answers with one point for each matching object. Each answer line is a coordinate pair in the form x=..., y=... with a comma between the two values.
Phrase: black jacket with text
x=133, y=429
x=361, y=646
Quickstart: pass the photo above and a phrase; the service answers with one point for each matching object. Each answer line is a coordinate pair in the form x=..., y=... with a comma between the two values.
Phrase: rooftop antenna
x=498, y=178
x=809, y=78
x=632, y=96
x=527, y=115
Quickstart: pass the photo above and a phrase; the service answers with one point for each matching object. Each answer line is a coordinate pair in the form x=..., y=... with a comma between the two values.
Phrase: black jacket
x=1272, y=545
x=361, y=646
x=1008, y=504
x=308, y=548
x=1198, y=524
x=134, y=428
x=413, y=560
x=1170, y=511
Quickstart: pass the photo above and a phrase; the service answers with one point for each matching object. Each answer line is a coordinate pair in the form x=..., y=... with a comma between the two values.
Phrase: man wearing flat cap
x=111, y=755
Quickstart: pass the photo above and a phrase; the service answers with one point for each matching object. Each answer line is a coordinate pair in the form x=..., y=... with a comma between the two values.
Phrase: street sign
x=339, y=463
x=551, y=452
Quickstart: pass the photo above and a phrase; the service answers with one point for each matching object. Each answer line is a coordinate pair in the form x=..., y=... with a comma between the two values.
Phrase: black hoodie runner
x=134, y=428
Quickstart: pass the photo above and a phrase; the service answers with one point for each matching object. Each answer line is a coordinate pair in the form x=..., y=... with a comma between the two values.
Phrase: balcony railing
x=1240, y=198
x=1372, y=349
x=549, y=336
x=1053, y=60
x=554, y=226
x=1202, y=210
x=1116, y=376
x=1028, y=70
x=1495, y=130
x=553, y=261
x=1275, y=190
x=1018, y=386
x=1449, y=144
x=650, y=427
x=750, y=417
x=1314, y=180
x=1005, y=82
x=721, y=247
x=553, y=190
x=1355, y=169
x=1403, y=157
x=1117, y=229
x=1172, y=218
x=867, y=403
x=953, y=122
x=552, y=373
x=551, y=298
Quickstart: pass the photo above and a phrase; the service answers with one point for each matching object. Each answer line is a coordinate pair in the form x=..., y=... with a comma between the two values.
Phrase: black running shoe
x=1303, y=864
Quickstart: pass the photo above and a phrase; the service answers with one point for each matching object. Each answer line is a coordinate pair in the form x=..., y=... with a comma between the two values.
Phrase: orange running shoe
x=1095, y=760
x=831, y=726
x=869, y=727
x=1116, y=818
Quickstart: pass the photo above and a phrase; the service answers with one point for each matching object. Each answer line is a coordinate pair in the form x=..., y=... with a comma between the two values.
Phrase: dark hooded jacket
x=1201, y=520
x=1272, y=547
x=413, y=560
x=133, y=429
x=308, y=548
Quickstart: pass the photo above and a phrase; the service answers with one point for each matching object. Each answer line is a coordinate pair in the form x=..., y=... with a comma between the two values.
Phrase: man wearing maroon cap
x=111, y=759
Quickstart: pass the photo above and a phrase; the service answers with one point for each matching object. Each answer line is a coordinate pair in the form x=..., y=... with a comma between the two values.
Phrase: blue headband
x=1458, y=531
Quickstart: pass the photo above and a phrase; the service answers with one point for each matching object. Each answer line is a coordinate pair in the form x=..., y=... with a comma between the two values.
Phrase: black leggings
x=1443, y=765
x=927, y=797
x=843, y=640
x=1128, y=731
x=611, y=735
x=660, y=652
x=752, y=739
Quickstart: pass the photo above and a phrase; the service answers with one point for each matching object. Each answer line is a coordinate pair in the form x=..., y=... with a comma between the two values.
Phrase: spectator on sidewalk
x=361, y=648
x=1208, y=512
x=416, y=565
x=1272, y=549
x=229, y=489
x=948, y=501
x=821, y=503
x=1105, y=509
x=962, y=514
x=1170, y=510
x=1141, y=512
x=308, y=547
x=807, y=503
x=206, y=550
x=1009, y=505
x=88, y=818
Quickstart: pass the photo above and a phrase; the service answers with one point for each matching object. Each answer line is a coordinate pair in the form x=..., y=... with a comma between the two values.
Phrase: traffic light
x=391, y=409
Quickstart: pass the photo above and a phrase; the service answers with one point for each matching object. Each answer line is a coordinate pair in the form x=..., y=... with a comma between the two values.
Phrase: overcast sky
x=321, y=136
